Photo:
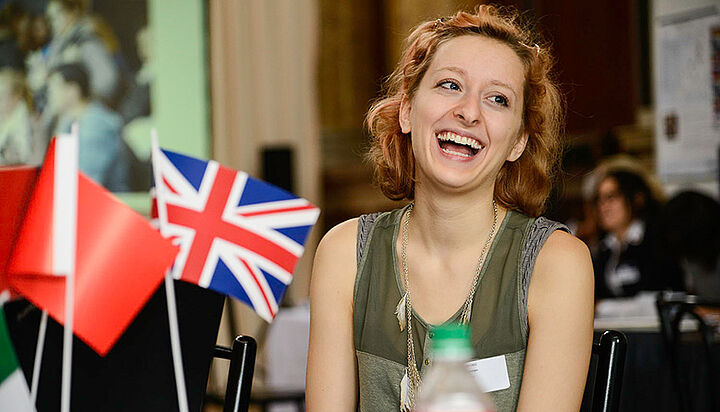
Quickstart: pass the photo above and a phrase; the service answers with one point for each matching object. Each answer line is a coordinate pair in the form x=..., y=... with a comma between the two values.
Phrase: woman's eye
x=499, y=99
x=448, y=84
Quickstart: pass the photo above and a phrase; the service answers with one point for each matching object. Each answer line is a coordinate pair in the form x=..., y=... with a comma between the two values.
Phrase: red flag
x=16, y=185
x=120, y=260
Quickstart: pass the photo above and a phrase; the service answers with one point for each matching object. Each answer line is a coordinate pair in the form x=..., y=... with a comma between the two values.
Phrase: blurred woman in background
x=628, y=258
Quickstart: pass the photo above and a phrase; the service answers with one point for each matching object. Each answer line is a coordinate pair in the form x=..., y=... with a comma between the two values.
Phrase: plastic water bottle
x=448, y=386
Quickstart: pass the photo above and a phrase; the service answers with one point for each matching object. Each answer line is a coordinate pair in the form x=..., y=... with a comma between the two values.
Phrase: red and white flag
x=119, y=258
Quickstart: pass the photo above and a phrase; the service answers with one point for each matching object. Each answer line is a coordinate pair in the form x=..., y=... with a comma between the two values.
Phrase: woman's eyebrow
x=455, y=69
x=503, y=84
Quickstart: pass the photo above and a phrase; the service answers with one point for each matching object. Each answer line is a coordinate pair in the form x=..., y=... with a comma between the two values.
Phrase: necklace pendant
x=405, y=395
x=400, y=312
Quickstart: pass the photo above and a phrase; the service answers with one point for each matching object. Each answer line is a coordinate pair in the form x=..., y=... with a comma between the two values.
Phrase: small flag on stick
x=237, y=235
x=120, y=259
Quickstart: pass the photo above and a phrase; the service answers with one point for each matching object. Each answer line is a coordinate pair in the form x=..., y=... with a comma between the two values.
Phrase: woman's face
x=613, y=209
x=465, y=118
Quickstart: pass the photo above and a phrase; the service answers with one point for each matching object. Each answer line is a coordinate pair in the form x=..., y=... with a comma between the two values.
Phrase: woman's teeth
x=457, y=145
x=457, y=139
x=452, y=152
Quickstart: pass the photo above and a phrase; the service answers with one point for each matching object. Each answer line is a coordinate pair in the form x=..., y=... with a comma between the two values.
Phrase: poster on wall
x=687, y=90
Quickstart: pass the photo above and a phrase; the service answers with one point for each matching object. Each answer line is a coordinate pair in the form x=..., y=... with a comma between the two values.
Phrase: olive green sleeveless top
x=498, y=324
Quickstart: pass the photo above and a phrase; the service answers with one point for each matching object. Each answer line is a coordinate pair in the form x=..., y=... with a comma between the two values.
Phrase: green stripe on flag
x=8, y=362
x=14, y=394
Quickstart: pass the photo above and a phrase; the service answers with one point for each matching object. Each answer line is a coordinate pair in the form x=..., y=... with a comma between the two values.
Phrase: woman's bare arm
x=560, y=318
x=332, y=368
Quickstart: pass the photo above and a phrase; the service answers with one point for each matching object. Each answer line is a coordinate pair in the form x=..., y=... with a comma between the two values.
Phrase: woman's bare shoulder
x=339, y=242
x=563, y=265
x=335, y=259
x=561, y=243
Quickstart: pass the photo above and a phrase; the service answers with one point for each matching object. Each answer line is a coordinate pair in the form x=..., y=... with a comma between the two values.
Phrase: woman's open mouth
x=455, y=144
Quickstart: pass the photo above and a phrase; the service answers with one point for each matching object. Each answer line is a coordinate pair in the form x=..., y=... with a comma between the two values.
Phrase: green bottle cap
x=452, y=340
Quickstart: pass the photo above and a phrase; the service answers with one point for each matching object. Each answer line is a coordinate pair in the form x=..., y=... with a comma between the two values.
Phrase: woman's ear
x=518, y=149
x=404, y=115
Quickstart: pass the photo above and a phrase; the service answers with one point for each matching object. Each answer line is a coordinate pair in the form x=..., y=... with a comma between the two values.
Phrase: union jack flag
x=237, y=235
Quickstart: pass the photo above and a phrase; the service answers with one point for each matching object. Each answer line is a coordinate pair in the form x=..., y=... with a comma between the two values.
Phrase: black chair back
x=672, y=309
x=242, y=366
x=604, y=383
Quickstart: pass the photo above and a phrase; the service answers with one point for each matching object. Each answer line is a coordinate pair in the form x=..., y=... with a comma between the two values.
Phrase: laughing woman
x=469, y=133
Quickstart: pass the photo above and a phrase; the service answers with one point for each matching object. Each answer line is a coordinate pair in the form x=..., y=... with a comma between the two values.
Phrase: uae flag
x=14, y=394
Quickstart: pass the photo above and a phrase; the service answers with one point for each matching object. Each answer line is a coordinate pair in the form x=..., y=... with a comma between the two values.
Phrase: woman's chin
x=453, y=183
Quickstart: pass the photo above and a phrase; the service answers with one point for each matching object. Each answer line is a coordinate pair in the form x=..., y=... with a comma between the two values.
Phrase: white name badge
x=490, y=373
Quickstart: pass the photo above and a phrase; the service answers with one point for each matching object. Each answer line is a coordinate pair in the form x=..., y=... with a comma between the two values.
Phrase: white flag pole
x=39, y=349
x=169, y=287
x=65, y=203
x=175, y=343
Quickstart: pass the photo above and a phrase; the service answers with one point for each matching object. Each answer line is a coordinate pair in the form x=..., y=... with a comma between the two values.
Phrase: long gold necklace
x=411, y=380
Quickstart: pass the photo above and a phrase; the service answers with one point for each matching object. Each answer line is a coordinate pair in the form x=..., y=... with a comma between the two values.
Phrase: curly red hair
x=523, y=185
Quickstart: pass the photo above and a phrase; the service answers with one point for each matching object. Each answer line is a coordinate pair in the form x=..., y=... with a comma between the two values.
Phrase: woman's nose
x=468, y=111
